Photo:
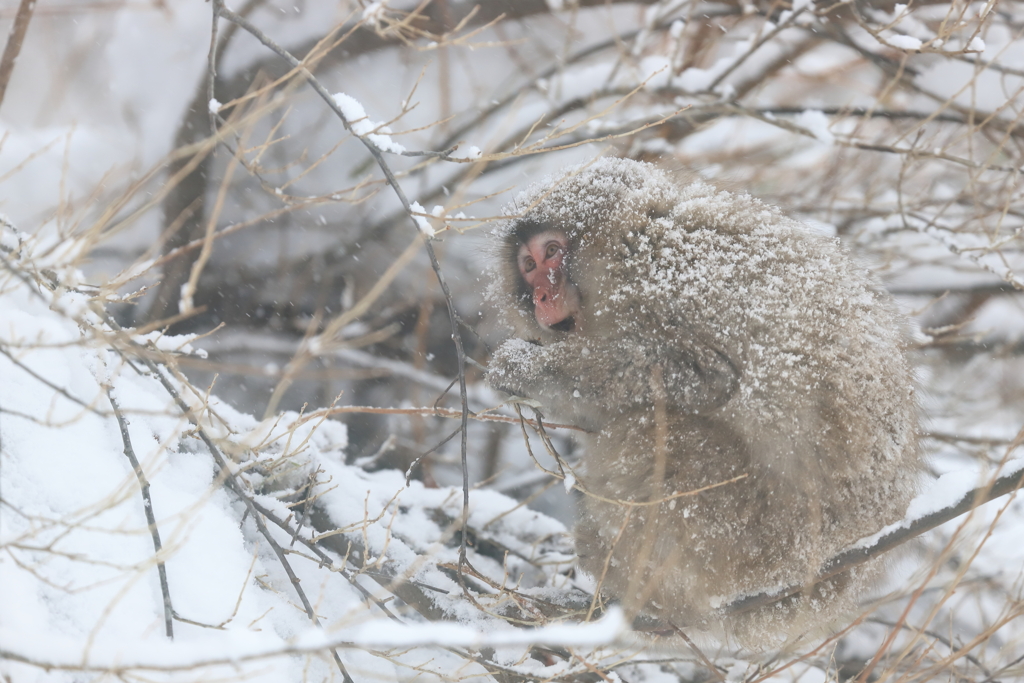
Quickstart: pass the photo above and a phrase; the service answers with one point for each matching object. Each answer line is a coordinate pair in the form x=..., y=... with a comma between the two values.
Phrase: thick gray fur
x=718, y=338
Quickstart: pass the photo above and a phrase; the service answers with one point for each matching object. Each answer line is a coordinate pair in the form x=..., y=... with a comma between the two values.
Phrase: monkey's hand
x=552, y=375
x=590, y=376
x=512, y=368
x=575, y=378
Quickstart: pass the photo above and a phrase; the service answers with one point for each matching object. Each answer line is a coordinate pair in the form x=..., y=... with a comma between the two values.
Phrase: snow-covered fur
x=719, y=339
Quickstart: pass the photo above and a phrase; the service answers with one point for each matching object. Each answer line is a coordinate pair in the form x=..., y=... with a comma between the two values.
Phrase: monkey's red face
x=542, y=264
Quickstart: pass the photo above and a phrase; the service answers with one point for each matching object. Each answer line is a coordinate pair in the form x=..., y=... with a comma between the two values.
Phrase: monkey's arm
x=614, y=374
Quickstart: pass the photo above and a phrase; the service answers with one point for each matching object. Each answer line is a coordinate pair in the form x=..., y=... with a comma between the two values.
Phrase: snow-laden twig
x=1006, y=274
x=35, y=375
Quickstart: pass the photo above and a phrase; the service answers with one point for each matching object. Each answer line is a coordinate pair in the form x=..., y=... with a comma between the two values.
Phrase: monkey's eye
x=528, y=265
x=553, y=248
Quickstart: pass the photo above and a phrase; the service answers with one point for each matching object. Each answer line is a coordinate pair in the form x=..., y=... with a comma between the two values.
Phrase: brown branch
x=14, y=43
x=937, y=291
x=184, y=204
x=577, y=601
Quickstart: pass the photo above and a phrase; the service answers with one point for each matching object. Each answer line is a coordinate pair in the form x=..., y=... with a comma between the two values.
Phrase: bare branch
x=235, y=486
x=393, y=182
x=147, y=505
x=14, y=40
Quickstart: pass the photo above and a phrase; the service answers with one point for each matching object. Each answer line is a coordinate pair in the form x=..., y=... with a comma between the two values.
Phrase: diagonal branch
x=378, y=156
x=857, y=555
x=14, y=42
x=147, y=504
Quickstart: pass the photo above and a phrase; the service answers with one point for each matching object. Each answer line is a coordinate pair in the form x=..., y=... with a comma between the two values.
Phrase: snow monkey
x=708, y=343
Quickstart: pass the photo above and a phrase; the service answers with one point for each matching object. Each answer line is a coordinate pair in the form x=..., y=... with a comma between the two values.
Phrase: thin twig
x=147, y=505
x=211, y=66
x=304, y=518
x=378, y=155
x=437, y=412
x=324, y=558
x=443, y=154
x=299, y=66
x=232, y=482
x=15, y=39
x=715, y=671
x=753, y=48
x=408, y=472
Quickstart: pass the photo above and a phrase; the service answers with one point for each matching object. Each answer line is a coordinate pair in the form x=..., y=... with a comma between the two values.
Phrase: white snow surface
x=816, y=123
x=79, y=577
x=421, y=221
x=904, y=42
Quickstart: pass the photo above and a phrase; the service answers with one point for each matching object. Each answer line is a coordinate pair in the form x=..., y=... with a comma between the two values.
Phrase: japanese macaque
x=749, y=405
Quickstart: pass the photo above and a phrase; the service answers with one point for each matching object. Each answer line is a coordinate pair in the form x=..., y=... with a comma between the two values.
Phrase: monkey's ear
x=702, y=379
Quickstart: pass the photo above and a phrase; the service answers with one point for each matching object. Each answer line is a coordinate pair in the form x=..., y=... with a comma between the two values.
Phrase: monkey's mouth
x=567, y=324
